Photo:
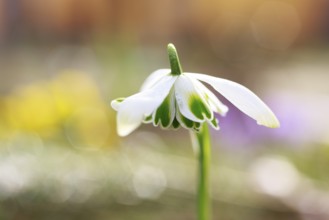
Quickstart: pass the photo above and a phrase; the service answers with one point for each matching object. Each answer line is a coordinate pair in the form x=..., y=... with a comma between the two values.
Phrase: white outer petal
x=212, y=100
x=115, y=104
x=134, y=108
x=184, y=88
x=154, y=77
x=242, y=98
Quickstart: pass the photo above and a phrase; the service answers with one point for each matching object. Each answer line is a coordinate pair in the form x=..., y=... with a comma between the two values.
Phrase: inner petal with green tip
x=199, y=108
x=165, y=113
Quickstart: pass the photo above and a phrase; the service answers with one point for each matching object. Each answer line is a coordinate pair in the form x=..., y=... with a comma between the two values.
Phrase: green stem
x=204, y=150
x=175, y=66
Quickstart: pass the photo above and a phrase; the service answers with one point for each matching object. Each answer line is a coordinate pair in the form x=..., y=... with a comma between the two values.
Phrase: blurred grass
x=121, y=183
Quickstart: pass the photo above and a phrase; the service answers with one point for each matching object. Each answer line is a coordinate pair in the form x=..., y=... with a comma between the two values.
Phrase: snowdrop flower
x=172, y=98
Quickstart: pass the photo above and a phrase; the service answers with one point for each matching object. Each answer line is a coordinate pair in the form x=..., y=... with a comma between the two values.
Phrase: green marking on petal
x=116, y=103
x=175, y=123
x=196, y=130
x=163, y=114
x=120, y=99
x=187, y=122
x=197, y=126
x=198, y=108
x=214, y=123
x=148, y=119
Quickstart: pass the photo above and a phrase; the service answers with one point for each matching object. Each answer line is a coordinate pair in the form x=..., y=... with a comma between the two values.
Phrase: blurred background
x=62, y=61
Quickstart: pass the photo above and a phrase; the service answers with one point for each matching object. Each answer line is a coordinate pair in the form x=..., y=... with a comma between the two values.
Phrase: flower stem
x=204, y=150
x=175, y=66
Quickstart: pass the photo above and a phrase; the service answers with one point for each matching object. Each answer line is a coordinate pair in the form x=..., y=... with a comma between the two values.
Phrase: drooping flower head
x=172, y=98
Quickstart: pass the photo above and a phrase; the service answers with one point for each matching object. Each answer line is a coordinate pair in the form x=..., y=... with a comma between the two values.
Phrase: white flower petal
x=190, y=102
x=133, y=109
x=115, y=104
x=210, y=98
x=242, y=98
x=154, y=77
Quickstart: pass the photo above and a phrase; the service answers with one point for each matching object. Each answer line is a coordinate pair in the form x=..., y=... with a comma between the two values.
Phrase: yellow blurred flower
x=69, y=104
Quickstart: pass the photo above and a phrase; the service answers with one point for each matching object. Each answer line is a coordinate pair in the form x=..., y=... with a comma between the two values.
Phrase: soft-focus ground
x=147, y=177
